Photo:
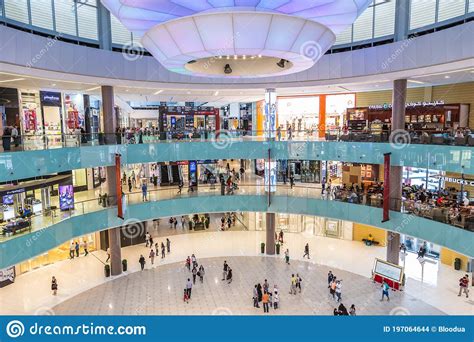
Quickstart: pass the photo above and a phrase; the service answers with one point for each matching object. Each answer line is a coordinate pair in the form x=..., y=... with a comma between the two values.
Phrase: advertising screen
x=7, y=199
x=388, y=270
x=66, y=197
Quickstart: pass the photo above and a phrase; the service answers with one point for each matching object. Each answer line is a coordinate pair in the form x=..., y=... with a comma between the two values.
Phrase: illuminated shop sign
x=459, y=181
x=408, y=104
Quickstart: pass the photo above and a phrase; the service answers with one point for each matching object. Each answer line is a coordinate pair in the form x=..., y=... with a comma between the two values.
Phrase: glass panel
x=422, y=13
x=65, y=14
x=42, y=13
x=448, y=9
x=471, y=5
x=87, y=21
x=120, y=35
x=384, y=18
x=17, y=10
x=344, y=37
x=363, y=25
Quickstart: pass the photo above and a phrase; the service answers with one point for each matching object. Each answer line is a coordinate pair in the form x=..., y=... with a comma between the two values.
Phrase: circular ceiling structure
x=177, y=32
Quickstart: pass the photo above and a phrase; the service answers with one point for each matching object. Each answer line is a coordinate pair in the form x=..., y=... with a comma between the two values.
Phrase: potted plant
x=107, y=270
x=277, y=246
x=124, y=265
x=262, y=247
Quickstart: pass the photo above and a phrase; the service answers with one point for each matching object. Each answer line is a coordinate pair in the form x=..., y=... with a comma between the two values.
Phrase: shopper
x=293, y=284
x=147, y=239
x=108, y=254
x=188, y=263
x=464, y=286
x=229, y=276
x=84, y=245
x=156, y=248
x=352, y=310
x=185, y=296
x=189, y=287
x=330, y=278
x=332, y=288
x=141, y=261
x=280, y=238
x=201, y=273
x=287, y=256
x=162, y=250
x=76, y=247
x=144, y=192
x=265, y=300
x=194, y=272
x=385, y=289
x=224, y=271
x=292, y=180
x=175, y=222
x=72, y=247
x=168, y=246
x=338, y=291
x=129, y=184
x=342, y=310
x=194, y=260
x=276, y=298
x=306, y=251
x=255, y=297
x=298, y=282
x=152, y=256
x=54, y=286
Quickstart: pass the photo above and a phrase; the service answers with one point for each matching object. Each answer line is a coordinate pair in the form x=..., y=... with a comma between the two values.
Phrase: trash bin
x=457, y=264
x=262, y=247
x=277, y=248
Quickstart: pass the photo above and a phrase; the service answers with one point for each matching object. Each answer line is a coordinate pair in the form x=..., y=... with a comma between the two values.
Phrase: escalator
x=175, y=175
x=165, y=178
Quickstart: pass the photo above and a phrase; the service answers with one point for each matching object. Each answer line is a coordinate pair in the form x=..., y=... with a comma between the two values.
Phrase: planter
x=124, y=265
x=277, y=247
x=107, y=270
x=262, y=247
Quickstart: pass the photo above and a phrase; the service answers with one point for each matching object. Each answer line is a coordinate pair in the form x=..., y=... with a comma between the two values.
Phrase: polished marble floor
x=159, y=291
x=75, y=277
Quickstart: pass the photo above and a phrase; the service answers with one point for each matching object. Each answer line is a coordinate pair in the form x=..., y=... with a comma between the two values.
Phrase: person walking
x=280, y=237
x=168, y=246
x=129, y=184
x=255, y=297
x=108, y=254
x=54, y=286
x=330, y=278
x=224, y=271
x=332, y=288
x=194, y=260
x=156, y=248
x=147, y=239
x=259, y=292
x=464, y=286
x=194, y=272
x=352, y=310
x=152, y=256
x=175, y=222
x=183, y=222
x=185, y=296
x=266, y=286
x=292, y=180
x=76, y=247
x=265, y=299
x=385, y=289
x=84, y=246
x=276, y=298
x=163, y=254
x=287, y=256
x=189, y=287
x=293, y=284
x=201, y=273
x=298, y=282
x=142, y=261
x=72, y=247
x=306, y=251
x=144, y=192
x=338, y=291
x=188, y=263
x=229, y=276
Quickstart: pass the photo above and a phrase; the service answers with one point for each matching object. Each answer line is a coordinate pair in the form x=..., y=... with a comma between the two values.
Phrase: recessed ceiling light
x=92, y=89
x=53, y=84
x=243, y=57
x=220, y=57
x=418, y=82
x=259, y=56
x=235, y=56
x=126, y=90
x=447, y=76
x=216, y=93
x=228, y=57
x=158, y=92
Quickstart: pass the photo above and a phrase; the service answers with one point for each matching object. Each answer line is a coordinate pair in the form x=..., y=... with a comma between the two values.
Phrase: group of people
x=268, y=298
x=11, y=134
x=74, y=249
x=196, y=271
x=335, y=291
x=164, y=248
x=228, y=220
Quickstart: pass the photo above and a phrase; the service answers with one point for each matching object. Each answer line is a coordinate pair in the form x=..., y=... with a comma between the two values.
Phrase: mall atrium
x=243, y=157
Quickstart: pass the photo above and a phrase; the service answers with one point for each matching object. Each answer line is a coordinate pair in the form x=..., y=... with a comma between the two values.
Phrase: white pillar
x=270, y=113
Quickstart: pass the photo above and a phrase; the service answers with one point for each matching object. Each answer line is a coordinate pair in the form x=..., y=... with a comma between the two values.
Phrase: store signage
x=459, y=181
x=50, y=98
x=207, y=161
x=7, y=276
x=408, y=104
x=15, y=191
x=270, y=176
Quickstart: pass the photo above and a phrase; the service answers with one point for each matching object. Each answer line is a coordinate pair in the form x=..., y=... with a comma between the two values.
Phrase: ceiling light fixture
x=53, y=84
x=418, y=82
x=243, y=57
x=259, y=56
x=216, y=93
x=447, y=76
x=281, y=63
x=235, y=56
x=92, y=89
x=158, y=92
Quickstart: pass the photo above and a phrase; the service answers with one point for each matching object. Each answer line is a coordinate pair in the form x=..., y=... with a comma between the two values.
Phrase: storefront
x=336, y=110
x=419, y=116
x=51, y=107
x=74, y=109
x=177, y=118
x=305, y=171
x=299, y=113
x=360, y=174
x=32, y=120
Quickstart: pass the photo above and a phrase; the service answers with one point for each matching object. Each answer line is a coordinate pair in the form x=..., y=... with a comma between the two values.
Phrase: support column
x=402, y=15
x=399, y=95
x=110, y=120
x=105, y=33
x=270, y=113
x=270, y=233
x=110, y=124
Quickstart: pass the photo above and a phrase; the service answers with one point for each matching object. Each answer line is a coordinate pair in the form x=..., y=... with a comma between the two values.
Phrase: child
x=185, y=297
